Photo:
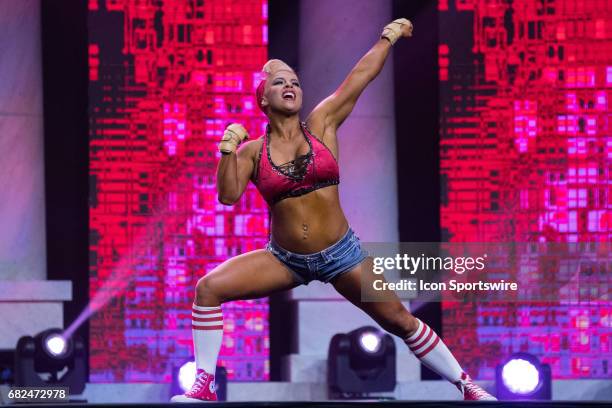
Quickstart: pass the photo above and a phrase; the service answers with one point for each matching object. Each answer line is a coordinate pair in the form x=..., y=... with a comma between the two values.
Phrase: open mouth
x=289, y=96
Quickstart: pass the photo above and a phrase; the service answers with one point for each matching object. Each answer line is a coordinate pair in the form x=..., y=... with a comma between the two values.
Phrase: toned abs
x=309, y=223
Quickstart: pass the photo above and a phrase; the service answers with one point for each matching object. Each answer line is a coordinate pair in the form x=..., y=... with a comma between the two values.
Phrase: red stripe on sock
x=409, y=342
x=423, y=341
x=207, y=327
x=428, y=349
x=207, y=319
x=207, y=311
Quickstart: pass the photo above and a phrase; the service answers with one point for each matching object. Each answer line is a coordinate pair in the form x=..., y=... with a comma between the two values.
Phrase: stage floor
x=360, y=404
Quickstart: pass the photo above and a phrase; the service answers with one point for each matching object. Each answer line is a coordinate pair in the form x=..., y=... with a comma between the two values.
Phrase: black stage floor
x=359, y=404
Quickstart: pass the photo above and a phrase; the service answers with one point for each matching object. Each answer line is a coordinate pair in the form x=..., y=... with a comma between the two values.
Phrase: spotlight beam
x=126, y=269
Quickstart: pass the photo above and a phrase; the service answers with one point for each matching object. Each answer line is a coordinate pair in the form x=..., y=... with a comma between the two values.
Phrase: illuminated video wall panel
x=166, y=77
x=526, y=155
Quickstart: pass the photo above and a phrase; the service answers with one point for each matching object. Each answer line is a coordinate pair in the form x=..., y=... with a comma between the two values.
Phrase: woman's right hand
x=234, y=134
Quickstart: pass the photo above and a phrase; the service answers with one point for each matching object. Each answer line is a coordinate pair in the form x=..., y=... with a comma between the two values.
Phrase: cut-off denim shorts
x=326, y=265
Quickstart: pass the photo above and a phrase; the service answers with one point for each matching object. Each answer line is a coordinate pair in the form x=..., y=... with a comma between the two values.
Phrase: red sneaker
x=471, y=391
x=203, y=389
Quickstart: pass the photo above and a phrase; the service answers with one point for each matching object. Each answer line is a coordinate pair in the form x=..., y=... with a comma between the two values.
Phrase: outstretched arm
x=334, y=109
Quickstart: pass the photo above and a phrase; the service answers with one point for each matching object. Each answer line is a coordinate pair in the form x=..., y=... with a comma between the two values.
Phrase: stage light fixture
x=370, y=341
x=183, y=377
x=360, y=363
x=56, y=345
x=186, y=375
x=523, y=377
x=50, y=359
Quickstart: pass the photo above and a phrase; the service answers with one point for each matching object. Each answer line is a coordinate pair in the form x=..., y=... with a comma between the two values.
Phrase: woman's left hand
x=396, y=29
x=407, y=28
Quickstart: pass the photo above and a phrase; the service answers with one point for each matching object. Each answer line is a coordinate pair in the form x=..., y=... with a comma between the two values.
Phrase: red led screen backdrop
x=166, y=77
x=526, y=155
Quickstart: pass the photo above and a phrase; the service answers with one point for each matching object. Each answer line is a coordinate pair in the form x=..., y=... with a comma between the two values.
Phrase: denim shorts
x=323, y=266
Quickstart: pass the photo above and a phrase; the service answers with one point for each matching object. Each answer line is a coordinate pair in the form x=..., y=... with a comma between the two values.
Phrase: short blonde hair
x=275, y=65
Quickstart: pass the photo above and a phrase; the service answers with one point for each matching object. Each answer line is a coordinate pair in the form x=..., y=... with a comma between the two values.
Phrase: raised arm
x=235, y=167
x=334, y=109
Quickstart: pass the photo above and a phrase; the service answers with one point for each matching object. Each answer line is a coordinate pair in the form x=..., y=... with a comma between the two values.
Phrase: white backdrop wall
x=334, y=35
x=22, y=208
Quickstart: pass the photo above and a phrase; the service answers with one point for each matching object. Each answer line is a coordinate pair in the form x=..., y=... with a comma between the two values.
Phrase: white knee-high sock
x=431, y=350
x=207, y=325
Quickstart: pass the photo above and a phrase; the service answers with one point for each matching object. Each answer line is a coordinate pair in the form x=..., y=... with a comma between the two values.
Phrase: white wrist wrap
x=234, y=134
x=393, y=30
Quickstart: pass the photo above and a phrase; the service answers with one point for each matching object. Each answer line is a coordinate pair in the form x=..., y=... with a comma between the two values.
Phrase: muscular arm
x=334, y=109
x=233, y=173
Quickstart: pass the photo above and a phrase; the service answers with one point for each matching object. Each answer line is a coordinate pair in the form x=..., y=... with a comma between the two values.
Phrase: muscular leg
x=252, y=275
x=392, y=316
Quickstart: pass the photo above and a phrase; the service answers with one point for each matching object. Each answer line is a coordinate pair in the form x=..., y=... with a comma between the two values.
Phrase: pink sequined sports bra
x=316, y=169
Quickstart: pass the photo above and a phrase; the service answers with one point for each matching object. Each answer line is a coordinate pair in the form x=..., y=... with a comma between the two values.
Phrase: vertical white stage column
x=22, y=198
x=28, y=303
x=334, y=35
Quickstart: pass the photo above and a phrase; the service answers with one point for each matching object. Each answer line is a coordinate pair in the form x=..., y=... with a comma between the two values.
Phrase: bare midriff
x=309, y=223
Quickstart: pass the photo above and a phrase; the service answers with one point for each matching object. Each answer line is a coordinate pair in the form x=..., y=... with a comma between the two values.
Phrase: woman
x=311, y=238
